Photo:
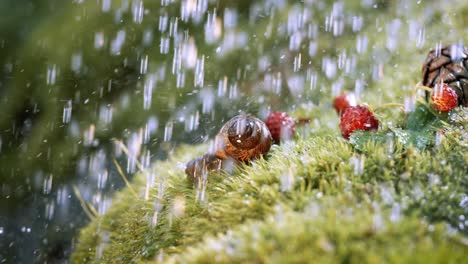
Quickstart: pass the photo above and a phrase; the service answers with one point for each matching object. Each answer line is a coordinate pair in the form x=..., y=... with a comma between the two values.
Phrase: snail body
x=241, y=139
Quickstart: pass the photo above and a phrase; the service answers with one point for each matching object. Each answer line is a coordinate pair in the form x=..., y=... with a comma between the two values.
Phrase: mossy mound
x=313, y=198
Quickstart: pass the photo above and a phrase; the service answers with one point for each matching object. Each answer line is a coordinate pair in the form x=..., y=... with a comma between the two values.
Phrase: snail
x=241, y=139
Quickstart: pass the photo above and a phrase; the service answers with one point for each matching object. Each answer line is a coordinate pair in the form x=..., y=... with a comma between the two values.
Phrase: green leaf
x=421, y=118
x=418, y=139
x=406, y=138
x=360, y=139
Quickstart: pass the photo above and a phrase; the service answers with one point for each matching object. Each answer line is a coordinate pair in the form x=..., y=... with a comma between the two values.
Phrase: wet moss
x=410, y=192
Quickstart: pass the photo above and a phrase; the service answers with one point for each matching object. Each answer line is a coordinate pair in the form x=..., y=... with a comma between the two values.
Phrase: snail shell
x=243, y=138
x=201, y=166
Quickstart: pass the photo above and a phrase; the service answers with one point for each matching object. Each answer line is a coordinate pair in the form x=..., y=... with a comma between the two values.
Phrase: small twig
x=121, y=173
x=387, y=105
x=125, y=150
x=419, y=86
x=86, y=208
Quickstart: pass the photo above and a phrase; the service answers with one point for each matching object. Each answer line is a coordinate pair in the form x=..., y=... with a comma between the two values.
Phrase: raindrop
x=222, y=87
x=137, y=11
x=151, y=127
x=106, y=5
x=134, y=147
x=105, y=114
x=88, y=137
x=117, y=43
x=67, y=112
x=148, y=87
x=192, y=122
x=76, y=62
x=213, y=28
x=164, y=45
x=230, y=18
x=47, y=184
x=168, y=131
x=358, y=161
x=144, y=64
x=361, y=43
x=163, y=22
x=147, y=37
x=99, y=40
x=51, y=74
x=207, y=98
x=49, y=210
x=199, y=72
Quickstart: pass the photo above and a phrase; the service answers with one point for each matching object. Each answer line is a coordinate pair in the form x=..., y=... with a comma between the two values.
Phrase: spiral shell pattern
x=243, y=138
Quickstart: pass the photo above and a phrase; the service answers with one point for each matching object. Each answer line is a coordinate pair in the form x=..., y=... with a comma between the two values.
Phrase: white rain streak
x=192, y=122
x=164, y=45
x=106, y=5
x=150, y=129
x=199, y=72
x=76, y=62
x=296, y=85
x=180, y=79
x=105, y=114
x=67, y=112
x=297, y=62
x=213, y=28
x=118, y=42
x=189, y=54
x=194, y=9
x=102, y=179
x=47, y=184
x=51, y=74
x=222, y=87
x=207, y=98
x=138, y=11
x=99, y=40
x=358, y=162
x=163, y=22
x=148, y=37
x=148, y=88
x=144, y=64
x=393, y=28
x=168, y=131
x=134, y=148
x=361, y=44
x=329, y=67
x=357, y=23
x=230, y=18
x=173, y=27
x=88, y=136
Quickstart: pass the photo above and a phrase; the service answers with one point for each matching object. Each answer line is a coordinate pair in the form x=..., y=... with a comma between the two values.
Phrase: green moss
x=412, y=185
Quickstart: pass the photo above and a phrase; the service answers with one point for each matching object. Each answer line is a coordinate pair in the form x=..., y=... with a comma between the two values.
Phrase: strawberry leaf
x=421, y=118
x=406, y=138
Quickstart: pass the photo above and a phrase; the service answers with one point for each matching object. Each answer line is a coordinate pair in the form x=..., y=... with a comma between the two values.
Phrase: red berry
x=281, y=126
x=444, y=98
x=357, y=118
x=343, y=101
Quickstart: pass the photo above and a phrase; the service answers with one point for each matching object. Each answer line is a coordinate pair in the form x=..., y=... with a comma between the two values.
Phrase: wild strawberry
x=357, y=118
x=444, y=98
x=343, y=101
x=281, y=126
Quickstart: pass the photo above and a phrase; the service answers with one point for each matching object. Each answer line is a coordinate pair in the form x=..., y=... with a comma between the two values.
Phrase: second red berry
x=281, y=126
x=357, y=118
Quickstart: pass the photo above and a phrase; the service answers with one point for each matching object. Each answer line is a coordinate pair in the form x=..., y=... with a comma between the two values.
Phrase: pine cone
x=449, y=65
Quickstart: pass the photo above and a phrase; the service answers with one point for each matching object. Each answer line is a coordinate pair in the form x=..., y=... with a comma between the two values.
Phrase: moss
x=411, y=185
